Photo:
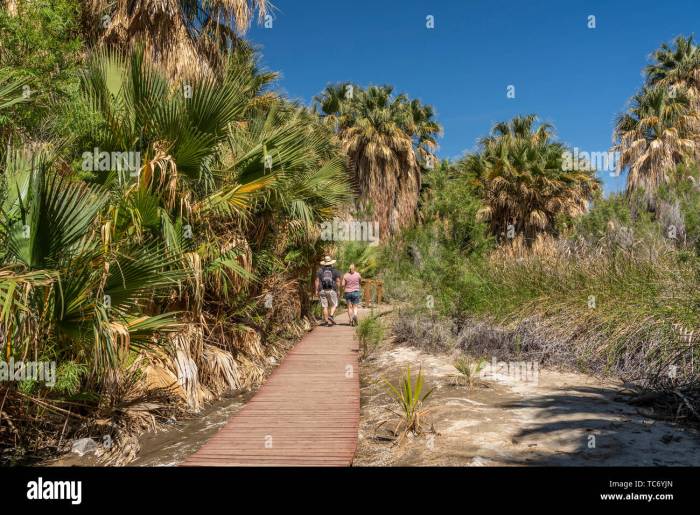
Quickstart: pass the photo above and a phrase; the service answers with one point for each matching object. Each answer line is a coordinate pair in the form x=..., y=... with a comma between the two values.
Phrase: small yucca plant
x=410, y=403
x=468, y=370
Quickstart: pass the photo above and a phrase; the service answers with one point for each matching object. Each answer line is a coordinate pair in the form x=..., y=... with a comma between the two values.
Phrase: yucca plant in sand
x=468, y=371
x=408, y=398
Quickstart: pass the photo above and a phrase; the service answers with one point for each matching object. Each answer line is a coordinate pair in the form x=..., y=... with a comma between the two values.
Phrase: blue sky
x=571, y=76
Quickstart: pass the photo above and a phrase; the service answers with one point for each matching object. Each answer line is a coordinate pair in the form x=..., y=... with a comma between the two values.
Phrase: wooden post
x=366, y=292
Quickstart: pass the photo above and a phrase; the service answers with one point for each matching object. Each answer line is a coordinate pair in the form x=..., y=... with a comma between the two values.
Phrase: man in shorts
x=327, y=284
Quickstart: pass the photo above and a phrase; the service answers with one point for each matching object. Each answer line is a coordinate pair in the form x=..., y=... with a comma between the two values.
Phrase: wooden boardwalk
x=306, y=414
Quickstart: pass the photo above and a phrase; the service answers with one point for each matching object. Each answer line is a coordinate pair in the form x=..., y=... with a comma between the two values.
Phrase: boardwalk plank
x=306, y=414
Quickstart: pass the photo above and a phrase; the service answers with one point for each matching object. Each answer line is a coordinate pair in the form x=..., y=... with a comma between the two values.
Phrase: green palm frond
x=138, y=273
x=10, y=89
x=49, y=216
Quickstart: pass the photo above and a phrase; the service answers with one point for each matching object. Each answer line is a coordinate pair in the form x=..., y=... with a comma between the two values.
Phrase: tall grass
x=370, y=333
x=611, y=294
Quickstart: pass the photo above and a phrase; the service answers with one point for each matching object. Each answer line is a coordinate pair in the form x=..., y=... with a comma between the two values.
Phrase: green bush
x=42, y=43
x=370, y=333
x=431, y=265
x=69, y=377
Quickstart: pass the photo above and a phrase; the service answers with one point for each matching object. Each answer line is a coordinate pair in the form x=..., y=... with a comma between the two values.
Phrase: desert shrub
x=612, y=294
x=424, y=331
x=370, y=333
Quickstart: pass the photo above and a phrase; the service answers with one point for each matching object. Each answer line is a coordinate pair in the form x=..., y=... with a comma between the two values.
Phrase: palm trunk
x=11, y=7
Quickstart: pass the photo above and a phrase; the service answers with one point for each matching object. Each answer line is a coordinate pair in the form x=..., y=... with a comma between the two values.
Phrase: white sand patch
x=462, y=424
x=456, y=401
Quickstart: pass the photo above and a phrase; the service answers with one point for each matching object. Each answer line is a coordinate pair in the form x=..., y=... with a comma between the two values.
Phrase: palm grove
x=522, y=258
x=161, y=210
x=149, y=284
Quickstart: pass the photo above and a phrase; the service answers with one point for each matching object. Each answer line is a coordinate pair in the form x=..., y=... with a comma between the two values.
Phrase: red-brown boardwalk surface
x=307, y=413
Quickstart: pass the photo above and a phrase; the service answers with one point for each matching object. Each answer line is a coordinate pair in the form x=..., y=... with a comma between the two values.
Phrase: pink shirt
x=352, y=282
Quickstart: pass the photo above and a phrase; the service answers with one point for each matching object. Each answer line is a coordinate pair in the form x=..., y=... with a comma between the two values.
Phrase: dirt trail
x=561, y=419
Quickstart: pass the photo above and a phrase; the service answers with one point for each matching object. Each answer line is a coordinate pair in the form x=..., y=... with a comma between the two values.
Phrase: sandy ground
x=559, y=419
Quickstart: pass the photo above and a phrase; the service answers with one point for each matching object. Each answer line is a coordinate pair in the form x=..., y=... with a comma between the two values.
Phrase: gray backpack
x=327, y=278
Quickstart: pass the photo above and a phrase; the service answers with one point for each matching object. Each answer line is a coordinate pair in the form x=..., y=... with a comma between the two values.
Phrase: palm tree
x=520, y=177
x=655, y=135
x=246, y=175
x=99, y=267
x=387, y=139
x=189, y=37
x=424, y=130
x=10, y=95
x=310, y=185
x=91, y=295
x=176, y=127
x=677, y=67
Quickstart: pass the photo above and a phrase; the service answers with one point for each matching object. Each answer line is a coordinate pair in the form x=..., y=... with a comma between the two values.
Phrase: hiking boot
x=354, y=320
x=330, y=319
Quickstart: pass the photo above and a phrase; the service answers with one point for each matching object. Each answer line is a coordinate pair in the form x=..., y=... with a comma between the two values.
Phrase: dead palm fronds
x=387, y=139
x=654, y=136
x=188, y=37
x=524, y=185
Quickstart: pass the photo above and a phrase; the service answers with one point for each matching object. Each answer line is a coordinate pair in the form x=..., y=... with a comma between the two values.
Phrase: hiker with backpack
x=327, y=285
x=351, y=289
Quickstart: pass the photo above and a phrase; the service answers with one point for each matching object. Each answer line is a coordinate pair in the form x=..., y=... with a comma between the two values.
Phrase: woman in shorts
x=351, y=287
